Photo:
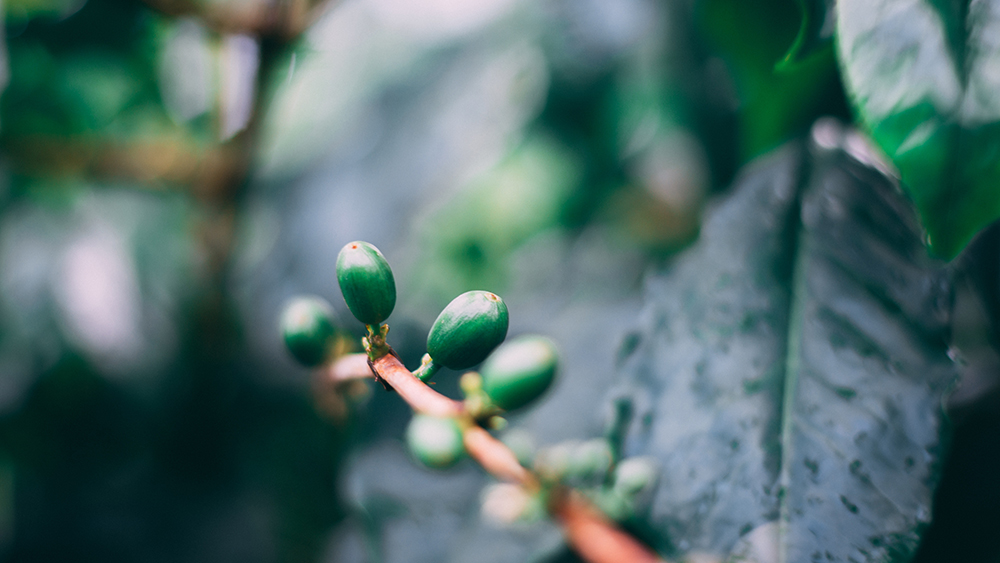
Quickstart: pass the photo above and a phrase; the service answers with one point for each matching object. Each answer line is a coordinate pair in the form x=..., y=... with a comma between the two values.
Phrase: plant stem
x=418, y=394
x=348, y=367
x=375, y=343
x=282, y=19
x=592, y=536
x=496, y=458
x=427, y=368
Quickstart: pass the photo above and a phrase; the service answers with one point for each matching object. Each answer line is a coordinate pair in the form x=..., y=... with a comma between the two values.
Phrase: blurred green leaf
x=790, y=370
x=19, y=10
x=751, y=36
x=95, y=87
x=468, y=240
x=924, y=77
x=815, y=33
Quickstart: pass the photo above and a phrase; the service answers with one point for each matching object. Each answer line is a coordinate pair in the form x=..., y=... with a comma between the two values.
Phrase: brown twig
x=593, y=537
x=496, y=458
x=281, y=18
x=418, y=394
x=587, y=530
x=348, y=367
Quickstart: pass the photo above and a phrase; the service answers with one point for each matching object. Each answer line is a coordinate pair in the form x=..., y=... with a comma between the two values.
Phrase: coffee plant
x=747, y=251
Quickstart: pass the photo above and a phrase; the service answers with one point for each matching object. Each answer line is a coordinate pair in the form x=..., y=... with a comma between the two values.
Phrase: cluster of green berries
x=470, y=331
x=621, y=488
x=467, y=332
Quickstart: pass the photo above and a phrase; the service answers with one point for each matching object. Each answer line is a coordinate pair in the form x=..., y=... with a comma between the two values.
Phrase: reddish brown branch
x=283, y=18
x=348, y=367
x=592, y=536
x=496, y=458
x=418, y=394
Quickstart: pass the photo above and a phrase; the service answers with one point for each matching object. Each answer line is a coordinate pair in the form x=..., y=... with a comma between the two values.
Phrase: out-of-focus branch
x=172, y=159
x=496, y=458
x=285, y=19
x=593, y=537
x=348, y=367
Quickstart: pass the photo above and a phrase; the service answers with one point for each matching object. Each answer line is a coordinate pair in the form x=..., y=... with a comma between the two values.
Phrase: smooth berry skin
x=307, y=329
x=519, y=371
x=367, y=282
x=435, y=442
x=468, y=329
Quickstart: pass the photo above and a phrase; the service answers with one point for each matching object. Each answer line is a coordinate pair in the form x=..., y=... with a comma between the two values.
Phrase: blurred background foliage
x=173, y=171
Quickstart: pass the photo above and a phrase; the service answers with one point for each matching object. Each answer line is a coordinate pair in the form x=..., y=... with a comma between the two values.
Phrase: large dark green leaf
x=790, y=368
x=924, y=76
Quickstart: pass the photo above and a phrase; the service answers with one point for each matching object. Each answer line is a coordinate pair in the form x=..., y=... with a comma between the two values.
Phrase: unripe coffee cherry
x=435, y=442
x=307, y=328
x=366, y=281
x=589, y=461
x=467, y=330
x=633, y=475
x=519, y=371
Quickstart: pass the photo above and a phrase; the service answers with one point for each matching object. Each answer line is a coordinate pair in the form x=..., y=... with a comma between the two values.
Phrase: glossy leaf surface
x=924, y=78
x=790, y=369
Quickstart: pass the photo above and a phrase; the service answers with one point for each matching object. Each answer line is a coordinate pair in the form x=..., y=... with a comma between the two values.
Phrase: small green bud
x=507, y=503
x=519, y=371
x=434, y=441
x=575, y=462
x=366, y=281
x=552, y=462
x=590, y=461
x=614, y=505
x=307, y=329
x=633, y=475
x=468, y=329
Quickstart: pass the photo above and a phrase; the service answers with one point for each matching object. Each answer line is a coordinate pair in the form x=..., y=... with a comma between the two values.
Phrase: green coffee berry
x=435, y=442
x=589, y=461
x=519, y=371
x=307, y=329
x=552, y=462
x=467, y=330
x=366, y=281
x=633, y=475
x=506, y=503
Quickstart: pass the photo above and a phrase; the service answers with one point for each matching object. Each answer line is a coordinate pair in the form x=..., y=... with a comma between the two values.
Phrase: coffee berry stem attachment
x=374, y=343
x=427, y=368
